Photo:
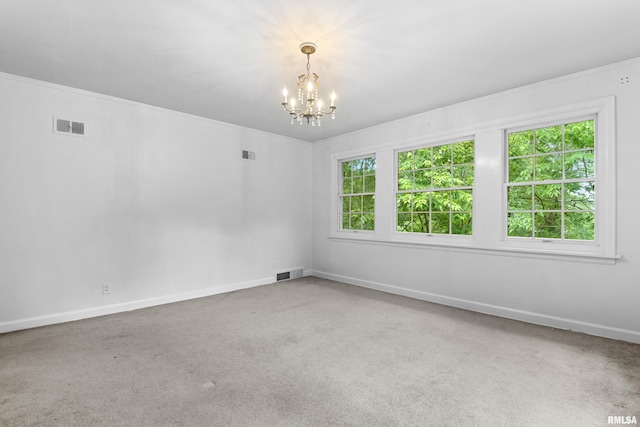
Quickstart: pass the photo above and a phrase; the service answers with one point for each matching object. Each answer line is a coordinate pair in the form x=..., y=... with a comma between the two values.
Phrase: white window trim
x=489, y=206
x=604, y=245
x=336, y=181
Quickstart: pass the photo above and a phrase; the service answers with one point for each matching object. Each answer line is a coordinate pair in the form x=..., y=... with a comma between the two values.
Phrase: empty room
x=354, y=213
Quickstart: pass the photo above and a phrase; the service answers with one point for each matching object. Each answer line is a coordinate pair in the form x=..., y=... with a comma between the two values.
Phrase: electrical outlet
x=106, y=289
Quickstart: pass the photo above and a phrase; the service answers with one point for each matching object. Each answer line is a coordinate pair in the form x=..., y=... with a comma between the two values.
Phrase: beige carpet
x=312, y=352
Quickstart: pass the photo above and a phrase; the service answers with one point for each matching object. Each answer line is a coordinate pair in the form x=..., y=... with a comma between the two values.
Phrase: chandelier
x=310, y=105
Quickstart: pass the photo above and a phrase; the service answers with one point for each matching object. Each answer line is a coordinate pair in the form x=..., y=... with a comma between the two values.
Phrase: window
x=357, y=197
x=435, y=189
x=533, y=185
x=551, y=182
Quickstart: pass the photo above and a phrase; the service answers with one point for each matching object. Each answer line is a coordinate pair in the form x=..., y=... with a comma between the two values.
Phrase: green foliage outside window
x=358, y=194
x=435, y=189
x=551, y=182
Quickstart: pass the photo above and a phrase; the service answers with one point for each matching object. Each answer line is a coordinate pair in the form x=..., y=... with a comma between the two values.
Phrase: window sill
x=469, y=245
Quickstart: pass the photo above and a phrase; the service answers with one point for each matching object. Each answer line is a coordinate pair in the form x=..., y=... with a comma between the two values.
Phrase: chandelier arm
x=294, y=110
x=331, y=110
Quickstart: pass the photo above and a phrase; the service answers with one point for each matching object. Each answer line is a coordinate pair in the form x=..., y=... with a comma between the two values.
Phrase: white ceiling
x=228, y=60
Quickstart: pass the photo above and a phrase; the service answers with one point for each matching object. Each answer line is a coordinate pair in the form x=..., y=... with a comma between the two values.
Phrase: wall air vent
x=69, y=127
x=248, y=155
x=286, y=275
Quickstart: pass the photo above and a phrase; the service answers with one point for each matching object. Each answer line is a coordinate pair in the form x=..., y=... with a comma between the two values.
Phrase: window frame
x=602, y=111
x=340, y=193
x=535, y=182
x=429, y=237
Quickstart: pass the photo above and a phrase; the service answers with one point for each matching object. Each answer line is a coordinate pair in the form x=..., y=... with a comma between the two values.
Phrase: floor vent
x=286, y=275
x=68, y=127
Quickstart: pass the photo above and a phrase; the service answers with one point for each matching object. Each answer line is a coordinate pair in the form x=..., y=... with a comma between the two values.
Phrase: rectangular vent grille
x=63, y=126
x=68, y=127
x=77, y=128
x=285, y=275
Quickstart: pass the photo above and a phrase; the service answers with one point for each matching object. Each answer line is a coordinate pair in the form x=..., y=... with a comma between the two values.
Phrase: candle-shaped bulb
x=285, y=93
x=309, y=87
x=319, y=105
x=293, y=103
x=333, y=99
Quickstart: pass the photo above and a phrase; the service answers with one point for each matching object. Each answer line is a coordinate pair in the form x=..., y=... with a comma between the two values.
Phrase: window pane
x=463, y=176
x=549, y=139
x=461, y=200
x=442, y=177
x=463, y=152
x=421, y=202
x=461, y=223
x=440, y=201
x=579, y=196
x=548, y=225
x=519, y=224
x=357, y=167
x=519, y=198
x=579, y=164
x=548, y=167
x=579, y=135
x=440, y=223
x=345, y=221
x=579, y=225
x=368, y=205
x=521, y=143
x=442, y=155
x=422, y=158
x=420, y=222
x=403, y=202
x=548, y=197
x=358, y=184
x=369, y=166
x=356, y=222
x=346, y=204
x=370, y=184
x=404, y=222
x=423, y=179
x=405, y=160
x=368, y=222
x=405, y=181
x=346, y=169
x=346, y=186
x=356, y=204
x=521, y=170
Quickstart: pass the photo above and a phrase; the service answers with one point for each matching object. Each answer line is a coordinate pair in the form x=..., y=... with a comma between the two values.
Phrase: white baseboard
x=509, y=313
x=70, y=316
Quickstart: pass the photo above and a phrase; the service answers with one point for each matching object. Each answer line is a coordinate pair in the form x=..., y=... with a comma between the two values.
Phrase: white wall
x=595, y=298
x=161, y=206
x=157, y=204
